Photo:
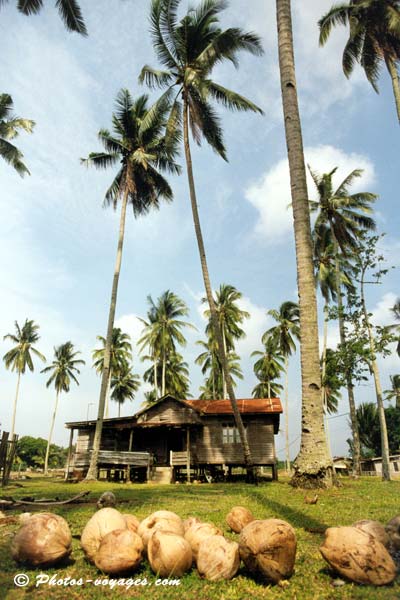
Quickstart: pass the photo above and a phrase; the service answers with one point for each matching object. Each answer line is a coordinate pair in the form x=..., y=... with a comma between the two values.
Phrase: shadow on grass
x=295, y=517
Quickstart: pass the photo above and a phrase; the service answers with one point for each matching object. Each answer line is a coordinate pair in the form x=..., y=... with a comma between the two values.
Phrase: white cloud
x=271, y=194
x=254, y=327
x=131, y=325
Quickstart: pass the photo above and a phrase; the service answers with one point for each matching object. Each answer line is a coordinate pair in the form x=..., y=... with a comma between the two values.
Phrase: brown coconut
x=132, y=522
x=169, y=554
x=218, y=558
x=238, y=518
x=43, y=540
x=393, y=531
x=375, y=529
x=161, y=520
x=199, y=532
x=358, y=556
x=103, y=521
x=269, y=548
x=120, y=551
x=187, y=523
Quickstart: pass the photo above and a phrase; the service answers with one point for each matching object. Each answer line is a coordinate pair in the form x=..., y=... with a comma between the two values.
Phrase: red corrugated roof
x=245, y=405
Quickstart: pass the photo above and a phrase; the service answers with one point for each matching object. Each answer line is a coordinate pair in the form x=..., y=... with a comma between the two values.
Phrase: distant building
x=373, y=466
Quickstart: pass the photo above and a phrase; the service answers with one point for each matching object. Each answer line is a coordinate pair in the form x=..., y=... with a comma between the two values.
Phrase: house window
x=396, y=466
x=230, y=434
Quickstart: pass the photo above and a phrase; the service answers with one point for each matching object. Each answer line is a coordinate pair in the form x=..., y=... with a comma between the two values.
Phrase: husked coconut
x=199, y=532
x=44, y=540
x=238, y=518
x=218, y=558
x=393, y=531
x=169, y=554
x=187, y=523
x=103, y=521
x=269, y=548
x=375, y=529
x=107, y=499
x=161, y=520
x=120, y=551
x=132, y=522
x=23, y=517
x=358, y=556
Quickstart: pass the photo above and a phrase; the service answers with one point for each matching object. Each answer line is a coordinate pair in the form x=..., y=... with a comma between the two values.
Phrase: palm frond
x=13, y=156
x=29, y=7
x=204, y=120
x=161, y=47
x=71, y=15
x=231, y=99
x=371, y=61
x=154, y=78
x=100, y=160
x=226, y=45
x=338, y=15
x=352, y=52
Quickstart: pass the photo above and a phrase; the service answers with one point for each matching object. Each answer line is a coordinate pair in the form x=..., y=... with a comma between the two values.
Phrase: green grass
x=365, y=498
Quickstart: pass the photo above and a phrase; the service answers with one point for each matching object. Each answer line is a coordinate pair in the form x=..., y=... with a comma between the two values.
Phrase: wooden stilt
x=188, y=453
x=71, y=435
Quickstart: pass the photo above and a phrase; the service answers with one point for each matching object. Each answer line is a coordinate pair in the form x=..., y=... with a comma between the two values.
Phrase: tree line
x=145, y=144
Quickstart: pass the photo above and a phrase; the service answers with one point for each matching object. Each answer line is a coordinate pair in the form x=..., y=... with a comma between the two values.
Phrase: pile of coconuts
x=117, y=544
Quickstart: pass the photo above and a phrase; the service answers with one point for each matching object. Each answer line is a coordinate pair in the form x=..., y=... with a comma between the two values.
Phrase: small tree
x=62, y=369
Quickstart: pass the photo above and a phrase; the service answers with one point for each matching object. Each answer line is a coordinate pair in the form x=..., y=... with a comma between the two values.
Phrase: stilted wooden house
x=171, y=437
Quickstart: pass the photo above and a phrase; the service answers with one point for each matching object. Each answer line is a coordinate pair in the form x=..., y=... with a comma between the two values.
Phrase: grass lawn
x=365, y=498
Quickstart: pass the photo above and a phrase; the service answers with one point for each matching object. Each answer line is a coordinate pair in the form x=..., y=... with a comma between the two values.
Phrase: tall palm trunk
x=391, y=66
x=207, y=284
x=349, y=382
x=378, y=390
x=323, y=373
x=15, y=407
x=287, y=414
x=92, y=472
x=155, y=378
x=224, y=390
x=312, y=466
x=163, y=374
x=107, y=406
x=46, y=460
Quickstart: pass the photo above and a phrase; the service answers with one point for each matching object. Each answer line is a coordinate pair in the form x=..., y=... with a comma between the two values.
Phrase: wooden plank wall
x=169, y=412
x=208, y=448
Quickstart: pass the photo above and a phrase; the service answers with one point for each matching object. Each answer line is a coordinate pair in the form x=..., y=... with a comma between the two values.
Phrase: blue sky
x=58, y=244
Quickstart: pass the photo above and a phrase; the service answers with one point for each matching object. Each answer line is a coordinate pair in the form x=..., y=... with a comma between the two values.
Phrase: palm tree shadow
x=295, y=517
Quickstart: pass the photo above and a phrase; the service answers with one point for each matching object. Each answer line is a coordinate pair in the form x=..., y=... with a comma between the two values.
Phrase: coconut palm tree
x=208, y=360
x=69, y=10
x=346, y=215
x=230, y=319
x=62, y=369
x=20, y=357
x=267, y=389
x=313, y=465
x=395, y=391
x=396, y=311
x=189, y=50
x=176, y=376
x=124, y=384
x=9, y=130
x=120, y=353
x=162, y=331
x=374, y=38
x=285, y=333
x=270, y=364
x=139, y=148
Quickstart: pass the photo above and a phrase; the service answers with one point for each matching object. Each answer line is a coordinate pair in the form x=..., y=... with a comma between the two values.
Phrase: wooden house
x=198, y=437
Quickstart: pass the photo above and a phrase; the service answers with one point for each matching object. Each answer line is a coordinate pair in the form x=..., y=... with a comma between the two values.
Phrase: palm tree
x=230, y=319
x=208, y=360
x=287, y=328
x=312, y=466
x=176, y=376
x=69, y=10
x=267, y=389
x=395, y=391
x=346, y=216
x=139, y=147
x=120, y=353
x=62, y=369
x=124, y=384
x=189, y=50
x=396, y=311
x=374, y=38
x=270, y=363
x=163, y=331
x=19, y=357
x=9, y=130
